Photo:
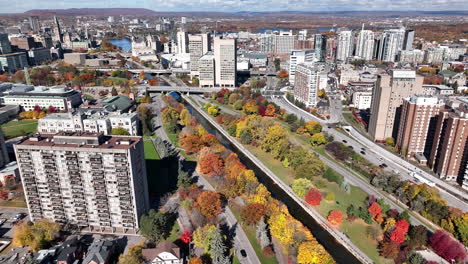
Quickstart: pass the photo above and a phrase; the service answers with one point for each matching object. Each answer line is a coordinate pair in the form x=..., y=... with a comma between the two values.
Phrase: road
x=378, y=155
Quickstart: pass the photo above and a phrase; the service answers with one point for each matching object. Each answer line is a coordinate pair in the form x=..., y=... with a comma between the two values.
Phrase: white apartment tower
x=391, y=44
x=199, y=45
x=344, y=45
x=92, y=181
x=299, y=56
x=365, y=44
x=307, y=83
x=206, y=67
x=182, y=42
x=225, y=62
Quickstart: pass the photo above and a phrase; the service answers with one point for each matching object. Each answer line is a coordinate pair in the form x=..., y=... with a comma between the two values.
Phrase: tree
x=277, y=63
x=145, y=114
x=335, y=217
x=119, y=131
x=262, y=195
x=169, y=114
x=202, y=236
x=446, y=247
x=217, y=247
x=209, y=204
x=210, y=164
x=313, y=127
x=36, y=235
x=186, y=237
x=250, y=107
x=273, y=137
x=416, y=258
x=183, y=179
x=195, y=260
x=313, y=197
x=133, y=255
x=390, y=141
x=262, y=234
x=283, y=74
x=389, y=249
x=318, y=139
x=253, y=212
x=399, y=232
x=114, y=92
x=330, y=196
x=461, y=227
x=270, y=110
x=375, y=209
x=301, y=187
x=281, y=227
x=417, y=236
x=233, y=97
x=311, y=252
x=156, y=226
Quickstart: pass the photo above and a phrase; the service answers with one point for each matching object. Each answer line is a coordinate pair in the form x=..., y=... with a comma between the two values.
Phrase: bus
x=419, y=179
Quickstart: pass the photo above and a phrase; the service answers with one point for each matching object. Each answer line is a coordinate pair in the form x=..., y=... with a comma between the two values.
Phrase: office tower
x=434, y=55
x=206, y=68
x=284, y=42
x=417, y=125
x=267, y=43
x=390, y=44
x=320, y=46
x=449, y=153
x=182, y=42
x=387, y=98
x=111, y=19
x=57, y=30
x=93, y=181
x=365, y=44
x=408, y=40
x=198, y=46
x=296, y=57
x=344, y=45
x=307, y=82
x=13, y=62
x=183, y=20
x=5, y=46
x=34, y=23
x=302, y=35
x=206, y=42
x=23, y=43
x=225, y=52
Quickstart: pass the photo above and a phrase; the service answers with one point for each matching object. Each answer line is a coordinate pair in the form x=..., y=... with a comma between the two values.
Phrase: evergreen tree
x=262, y=234
x=218, y=248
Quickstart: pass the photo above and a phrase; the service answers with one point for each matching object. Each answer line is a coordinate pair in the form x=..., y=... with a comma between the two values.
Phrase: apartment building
x=12, y=62
x=95, y=182
x=344, y=45
x=198, y=46
x=206, y=68
x=387, y=99
x=92, y=121
x=362, y=100
x=365, y=44
x=449, y=154
x=299, y=56
x=307, y=83
x=225, y=56
x=417, y=125
x=182, y=42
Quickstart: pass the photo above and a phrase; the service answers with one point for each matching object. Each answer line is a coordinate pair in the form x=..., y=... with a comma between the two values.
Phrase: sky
x=19, y=6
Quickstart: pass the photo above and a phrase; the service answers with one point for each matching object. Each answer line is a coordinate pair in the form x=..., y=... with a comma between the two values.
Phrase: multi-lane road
x=377, y=154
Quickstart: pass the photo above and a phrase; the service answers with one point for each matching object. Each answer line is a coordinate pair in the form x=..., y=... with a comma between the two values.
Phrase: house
x=164, y=253
x=69, y=251
x=100, y=252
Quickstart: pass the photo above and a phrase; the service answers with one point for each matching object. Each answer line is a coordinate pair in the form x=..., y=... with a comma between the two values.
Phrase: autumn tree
x=446, y=247
x=281, y=227
x=133, y=255
x=119, y=131
x=202, y=237
x=311, y=252
x=156, y=226
x=389, y=249
x=417, y=236
x=169, y=115
x=318, y=139
x=313, y=127
x=195, y=260
x=313, y=197
x=250, y=107
x=375, y=209
x=210, y=164
x=186, y=237
x=36, y=235
x=399, y=232
x=301, y=187
x=335, y=217
x=270, y=110
x=209, y=203
x=283, y=74
x=253, y=212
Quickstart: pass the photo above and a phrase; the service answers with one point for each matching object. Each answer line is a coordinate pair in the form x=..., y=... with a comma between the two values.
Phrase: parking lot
x=6, y=230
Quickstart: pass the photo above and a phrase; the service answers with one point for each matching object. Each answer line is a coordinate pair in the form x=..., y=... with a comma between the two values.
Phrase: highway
x=377, y=154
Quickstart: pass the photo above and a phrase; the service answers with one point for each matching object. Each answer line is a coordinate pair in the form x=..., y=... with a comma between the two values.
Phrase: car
x=363, y=153
x=243, y=253
x=19, y=216
x=344, y=141
x=346, y=129
x=384, y=165
x=351, y=147
x=2, y=221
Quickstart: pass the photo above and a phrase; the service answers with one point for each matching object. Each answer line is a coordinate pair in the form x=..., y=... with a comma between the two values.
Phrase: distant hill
x=91, y=12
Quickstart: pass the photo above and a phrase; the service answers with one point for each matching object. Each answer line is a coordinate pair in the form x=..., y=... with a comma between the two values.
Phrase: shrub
x=330, y=196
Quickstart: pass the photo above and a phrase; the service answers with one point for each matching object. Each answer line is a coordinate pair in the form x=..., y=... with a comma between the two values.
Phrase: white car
x=2, y=221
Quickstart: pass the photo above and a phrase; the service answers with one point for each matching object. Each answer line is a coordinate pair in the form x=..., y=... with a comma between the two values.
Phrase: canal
x=338, y=251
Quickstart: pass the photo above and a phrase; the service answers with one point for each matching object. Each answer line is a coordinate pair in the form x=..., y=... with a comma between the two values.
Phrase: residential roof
x=99, y=251
x=118, y=102
x=150, y=254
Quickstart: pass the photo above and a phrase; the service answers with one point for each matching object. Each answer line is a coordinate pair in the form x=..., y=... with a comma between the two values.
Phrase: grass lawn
x=14, y=204
x=235, y=260
x=19, y=128
x=150, y=151
x=172, y=137
x=175, y=232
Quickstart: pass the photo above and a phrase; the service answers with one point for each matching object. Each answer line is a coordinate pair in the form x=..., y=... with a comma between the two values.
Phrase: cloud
x=239, y=5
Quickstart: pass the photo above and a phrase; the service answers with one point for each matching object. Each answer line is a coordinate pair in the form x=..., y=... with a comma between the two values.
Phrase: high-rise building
x=284, y=42
x=5, y=46
x=4, y=159
x=302, y=35
x=92, y=181
x=365, y=44
x=23, y=43
x=387, y=99
x=13, y=62
x=111, y=19
x=34, y=23
x=198, y=46
x=449, y=154
x=344, y=47
x=206, y=68
x=417, y=125
x=306, y=84
x=58, y=36
x=408, y=40
x=183, y=20
x=320, y=46
x=390, y=44
x=225, y=54
x=182, y=42
x=297, y=57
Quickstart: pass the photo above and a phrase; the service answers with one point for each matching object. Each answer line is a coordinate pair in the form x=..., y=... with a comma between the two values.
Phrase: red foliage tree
x=375, y=209
x=191, y=143
x=335, y=217
x=209, y=204
x=186, y=237
x=219, y=119
x=446, y=247
x=51, y=109
x=252, y=213
x=261, y=110
x=270, y=110
x=314, y=197
x=399, y=232
x=37, y=109
x=403, y=225
x=208, y=139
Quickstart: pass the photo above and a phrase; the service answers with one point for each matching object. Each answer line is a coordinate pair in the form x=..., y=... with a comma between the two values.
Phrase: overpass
x=183, y=89
x=336, y=234
x=175, y=71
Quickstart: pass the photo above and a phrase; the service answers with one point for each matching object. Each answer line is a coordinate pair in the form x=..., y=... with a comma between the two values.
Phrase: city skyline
x=244, y=5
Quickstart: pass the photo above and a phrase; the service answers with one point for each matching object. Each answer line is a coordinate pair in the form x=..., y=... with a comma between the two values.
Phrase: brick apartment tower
x=449, y=154
x=417, y=125
x=95, y=182
x=387, y=99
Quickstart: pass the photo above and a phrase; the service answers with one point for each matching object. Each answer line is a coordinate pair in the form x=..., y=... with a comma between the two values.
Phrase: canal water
x=338, y=252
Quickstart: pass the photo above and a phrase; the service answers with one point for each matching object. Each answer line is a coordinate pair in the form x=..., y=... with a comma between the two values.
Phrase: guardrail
x=340, y=237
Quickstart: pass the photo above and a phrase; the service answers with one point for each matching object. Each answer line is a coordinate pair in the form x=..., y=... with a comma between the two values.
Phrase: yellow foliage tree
x=389, y=223
x=262, y=195
x=184, y=117
x=37, y=236
x=281, y=227
x=311, y=252
x=202, y=236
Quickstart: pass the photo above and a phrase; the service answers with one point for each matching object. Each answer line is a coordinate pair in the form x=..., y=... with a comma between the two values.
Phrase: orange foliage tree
x=335, y=217
x=375, y=209
x=313, y=197
x=283, y=74
x=209, y=203
x=252, y=213
x=210, y=164
x=270, y=110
